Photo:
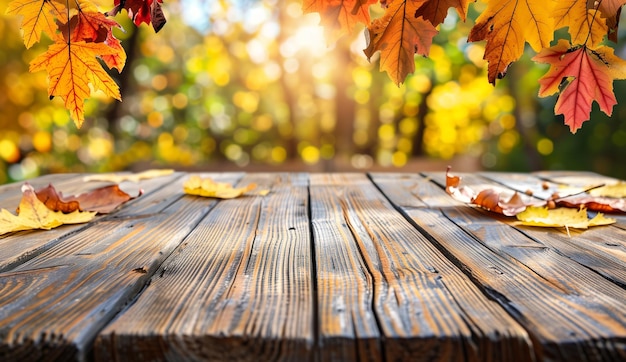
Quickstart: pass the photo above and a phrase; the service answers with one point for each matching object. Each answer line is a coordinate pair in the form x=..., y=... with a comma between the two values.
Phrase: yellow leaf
x=617, y=190
x=599, y=219
x=34, y=214
x=208, y=188
x=585, y=25
x=72, y=67
x=38, y=17
x=507, y=26
x=560, y=217
x=133, y=177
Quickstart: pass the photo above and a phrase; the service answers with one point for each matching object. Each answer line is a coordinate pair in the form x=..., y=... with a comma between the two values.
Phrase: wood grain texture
x=239, y=288
x=425, y=307
x=570, y=311
x=55, y=303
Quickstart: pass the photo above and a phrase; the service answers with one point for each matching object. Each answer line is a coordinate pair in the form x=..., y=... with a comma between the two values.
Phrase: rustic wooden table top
x=325, y=267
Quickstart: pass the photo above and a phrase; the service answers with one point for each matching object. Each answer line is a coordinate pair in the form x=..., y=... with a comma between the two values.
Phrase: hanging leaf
x=142, y=11
x=507, y=26
x=587, y=75
x=39, y=16
x=71, y=68
x=399, y=35
x=339, y=17
x=436, y=11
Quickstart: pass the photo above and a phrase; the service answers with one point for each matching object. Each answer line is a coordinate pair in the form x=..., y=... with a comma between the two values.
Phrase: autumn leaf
x=39, y=16
x=208, y=188
x=609, y=10
x=339, y=17
x=436, y=11
x=506, y=26
x=454, y=188
x=492, y=200
x=141, y=11
x=90, y=25
x=102, y=200
x=132, y=177
x=72, y=67
x=584, y=25
x=561, y=217
x=399, y=35
x=582, y=75
x=33, y=214
x=615, y=190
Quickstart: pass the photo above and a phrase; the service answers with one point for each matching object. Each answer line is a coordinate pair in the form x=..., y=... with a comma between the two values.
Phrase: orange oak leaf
x=38, y=17
x=610, y=10
x=584, y=24
x=33, y=214
x=584, y=75
x=72, y=67
x=102, y=200
x=436, y=11
x=339, y=17
x=506, y=26
x=399, y=35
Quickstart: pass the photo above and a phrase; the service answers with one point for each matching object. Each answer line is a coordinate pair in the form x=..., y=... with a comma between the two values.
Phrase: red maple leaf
x=141, y=11
x=582, y=75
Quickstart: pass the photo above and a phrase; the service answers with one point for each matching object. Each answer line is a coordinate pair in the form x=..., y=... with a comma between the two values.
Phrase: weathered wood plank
x=239, y=288
x=20, y=247
x=425, y=307
x=570, y=311
x=53, y=305
x=348, y=328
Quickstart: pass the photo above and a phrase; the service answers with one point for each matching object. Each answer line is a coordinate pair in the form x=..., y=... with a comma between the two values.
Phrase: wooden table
x=325, y=267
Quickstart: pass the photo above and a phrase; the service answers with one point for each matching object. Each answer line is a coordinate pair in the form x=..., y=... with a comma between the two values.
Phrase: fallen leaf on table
x=488, y=199
x=454, y=188
x=33, y=214
x=603, y=204
x=208, y=188
x=617, y=190
x=133, y=177
x=561, y=217
x=102, y=200
x=492, y=200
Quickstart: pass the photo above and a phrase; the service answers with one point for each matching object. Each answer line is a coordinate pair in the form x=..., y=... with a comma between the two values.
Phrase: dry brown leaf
x=102, y=200
x=33, y=214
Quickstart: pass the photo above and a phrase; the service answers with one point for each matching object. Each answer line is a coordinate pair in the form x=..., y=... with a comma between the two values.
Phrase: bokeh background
x=253, y=85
